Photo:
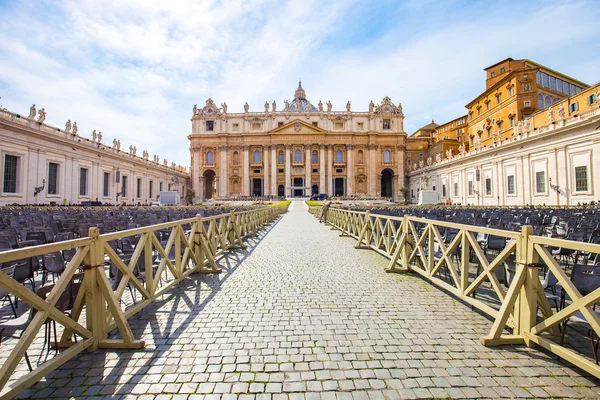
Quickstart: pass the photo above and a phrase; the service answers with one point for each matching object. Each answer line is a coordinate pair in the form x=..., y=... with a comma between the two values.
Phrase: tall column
x=288, y=169
x=274, y=170
x=308, y=171
x=196, y=185
x=246, y=177
x=329, y=170
x=372, y=170
x=266, y=190
x=322, y=188
x=349, y=170
x=224, y=178
x=400, y=171
x=200, y=192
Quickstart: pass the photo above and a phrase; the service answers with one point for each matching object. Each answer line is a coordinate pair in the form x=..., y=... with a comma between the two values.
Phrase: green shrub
x=312, y=203
x=284, y=203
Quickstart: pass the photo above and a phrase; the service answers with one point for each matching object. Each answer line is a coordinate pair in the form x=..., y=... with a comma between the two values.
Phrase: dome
x=300, y=103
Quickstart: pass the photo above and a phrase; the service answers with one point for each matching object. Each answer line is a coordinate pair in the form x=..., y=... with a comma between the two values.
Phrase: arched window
x=297, y=156
x=280, y=158
x=540, y=101
x=338, y=156
x=209, y=157
x=386, y=156
x=548, y=103
x=360, y=156
x=256, y=157
x=315, y=157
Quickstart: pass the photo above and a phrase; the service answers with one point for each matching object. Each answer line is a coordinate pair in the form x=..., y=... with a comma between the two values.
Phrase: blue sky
x=133, y=69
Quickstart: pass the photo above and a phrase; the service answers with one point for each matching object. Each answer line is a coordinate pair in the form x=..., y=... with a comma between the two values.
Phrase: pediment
x=299, y=127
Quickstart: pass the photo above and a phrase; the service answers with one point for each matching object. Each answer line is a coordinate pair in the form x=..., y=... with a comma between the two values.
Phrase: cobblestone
x=301, y=314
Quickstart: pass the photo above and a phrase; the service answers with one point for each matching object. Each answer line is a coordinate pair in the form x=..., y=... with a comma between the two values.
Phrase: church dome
x=300, y=103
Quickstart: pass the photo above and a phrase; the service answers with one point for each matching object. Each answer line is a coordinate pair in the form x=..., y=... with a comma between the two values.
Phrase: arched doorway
x=387, y=176
x=209, y=184
x=314, y=190
x=280, y=191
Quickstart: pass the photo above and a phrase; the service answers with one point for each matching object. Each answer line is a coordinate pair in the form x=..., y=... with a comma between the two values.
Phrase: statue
x=266, y=106
x=421, y=164
x=100, y=138
x=527, y=124
x=429, y=161
x=320, y=106
x=165, y=162
x=551, y=114
x=274, y=107
x=41, y=115
x=32, y=112
x=75, y=128
x=195, y=109
x=287, y=105
x=246, y=107
x=307, y=106
x=134, y=150
x=561, y=112
x=348, y=106
x=399, y=108
x=329, y=105
x=449, y=154
x=438, y=158
x=94, y=136
x=114, y=143
x=371, y=106
x=461, y=149
x=68, y=126
x=173, y=165
x=224, y=105
x=119, y=144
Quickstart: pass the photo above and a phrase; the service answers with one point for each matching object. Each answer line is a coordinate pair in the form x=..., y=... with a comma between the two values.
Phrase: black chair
x=54, y=264
x=4, y=294
x=39, y=237
x=63, y=304
x=9, y=327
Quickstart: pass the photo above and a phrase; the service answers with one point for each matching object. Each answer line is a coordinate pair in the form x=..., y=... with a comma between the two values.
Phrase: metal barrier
x=459, y=263
x=99, y=305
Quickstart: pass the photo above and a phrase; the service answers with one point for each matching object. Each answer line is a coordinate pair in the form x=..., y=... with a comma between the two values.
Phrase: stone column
x=400, y=171
x=329, y=170
x=288, y=169
x=224, y=178
x=322, y=180
x=200, y=191
x=372, y=170
x=349, y=170
x=246, y=177
x=266, y=190
x=274, y=170
x=307, y=171
x=196, y=185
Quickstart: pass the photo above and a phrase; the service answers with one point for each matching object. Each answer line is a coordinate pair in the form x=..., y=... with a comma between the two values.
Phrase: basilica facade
x=301, y=150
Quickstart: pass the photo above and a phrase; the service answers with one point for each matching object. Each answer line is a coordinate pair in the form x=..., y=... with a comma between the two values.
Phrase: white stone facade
x=72, y=169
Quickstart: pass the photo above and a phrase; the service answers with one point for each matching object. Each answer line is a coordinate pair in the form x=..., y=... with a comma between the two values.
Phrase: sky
x=133, y=69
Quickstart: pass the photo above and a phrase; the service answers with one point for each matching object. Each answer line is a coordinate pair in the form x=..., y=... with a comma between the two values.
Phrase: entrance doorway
x=257, y=187
x=339, y=185
x=314, y=190
x=387, y=185
x=298, y=183
x=280, y=191
x=209, y=184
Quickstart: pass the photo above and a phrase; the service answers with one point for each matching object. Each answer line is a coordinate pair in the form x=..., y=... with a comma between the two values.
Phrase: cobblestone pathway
x=301, y=314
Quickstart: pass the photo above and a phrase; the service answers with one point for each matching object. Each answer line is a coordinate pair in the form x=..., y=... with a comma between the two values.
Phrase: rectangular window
x=83, y=182
x=581, y=179
x=52, y=178
x=279, y=124
x=106, y=184
x=512, y=122
x=124, y=187
x=387, y=124
x=360, y=126
x=498, y=99
x=572, y=88
x=552, y=83
x=540, y=182
x=479, y=112
x=443, y=190
x=455, y=189
x=511, y=91
x=256, y=125
x=210, y=126
x=338, y=125
x=502, y=70
x=527, y=103
x=11, y=168
x=538, y=78
x=160, y=186
x=470, y=186
x=492, y=74
x=236, y=127
x=544, y=79
x=315, y=124
x=574, y=107
x=488, y=186
x=559, y=85
x=591, y=99
x=139, y=188
x=526, y=87
x=510, y=184
x=151, y=189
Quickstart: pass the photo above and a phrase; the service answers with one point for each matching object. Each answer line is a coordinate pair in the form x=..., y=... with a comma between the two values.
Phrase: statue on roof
x=287, y=105
x=561, y=112
x=461, y=149
x=68, y=126
x=75, y=128
x=246, y=107
x=195, y=109
x=42, y=115
x=438, y=158
x=94, y=136
x=274, y=107
x=329, y=105
x=348, y=106
x=551, y=114
x=307, y=106
x=527, y=124
x=429, y=161
x=266, y=106
x=32, y=112
x=100, y=138
x=449, y=154
x=165, y=162
x=115, y=143
x=224, y=106
x=371, y=106
x=320, y=105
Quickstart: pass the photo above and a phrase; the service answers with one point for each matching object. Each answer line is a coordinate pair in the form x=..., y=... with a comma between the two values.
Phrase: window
x=455, y=189
x=572, y=88
x=236, y=127
x=547, y=101
x=360, y=157
x=160, y=186
x=581, y=179
x=256, y=125
x=315, y=157
x=280, y=158
x=544, y=79
x=538, y=78
x=559, y=85
x=139, y=188
x=387, y=156
x=510, y=184
x=315, y=124
x=540, y=101
x=236, y=158
x=169, y=187
x=493, y=74
x=298, y=156
x=11, y=169
x=511, y=91
x=338, y=125
x=443, y=190
x=574, y=107
x=502, y=70
x=540, y=182
x=527, y=103
x=279, y=124
x=52, y=178
x=479, y=111
x=124, y=188
x=210, y=126
x=338, y=156
x=470, y=187
x=151, y=189
x=487, y=106
x=591, y=99
x=209, y=157
x=106, y=184
x=498, y=98
x=360, y=126
x=256, y=157
x=552, y=83
x=526, y=87
x=387, y=124
x=488, y=186
x=512, y=122
x=83, y=182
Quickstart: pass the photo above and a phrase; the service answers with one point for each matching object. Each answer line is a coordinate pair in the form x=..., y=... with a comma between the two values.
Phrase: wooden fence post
x=528, y=303
x=95, y=304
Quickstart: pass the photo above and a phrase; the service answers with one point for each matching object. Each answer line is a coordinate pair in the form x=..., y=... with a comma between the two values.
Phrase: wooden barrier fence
x=460, y=263
x=101, y=304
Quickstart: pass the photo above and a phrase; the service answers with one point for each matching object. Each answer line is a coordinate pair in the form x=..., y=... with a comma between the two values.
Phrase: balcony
x=339, y=163
x=256, y=164
x=210, y=165
x=297, y=163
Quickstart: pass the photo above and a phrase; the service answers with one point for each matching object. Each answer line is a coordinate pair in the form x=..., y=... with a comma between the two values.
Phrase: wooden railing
x=460, y=263
x=115, y=285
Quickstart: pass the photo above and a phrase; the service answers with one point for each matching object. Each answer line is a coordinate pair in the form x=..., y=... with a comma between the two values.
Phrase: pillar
x=265, y=185
x=274, y=170
x=372, y=170
x=223, y=178
x=246, y=177
x=197, y=186
x=400, y=171
x=349, y=170
x=322, y=188
x=307, y=171
x=330, y=170
x=288, y=169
